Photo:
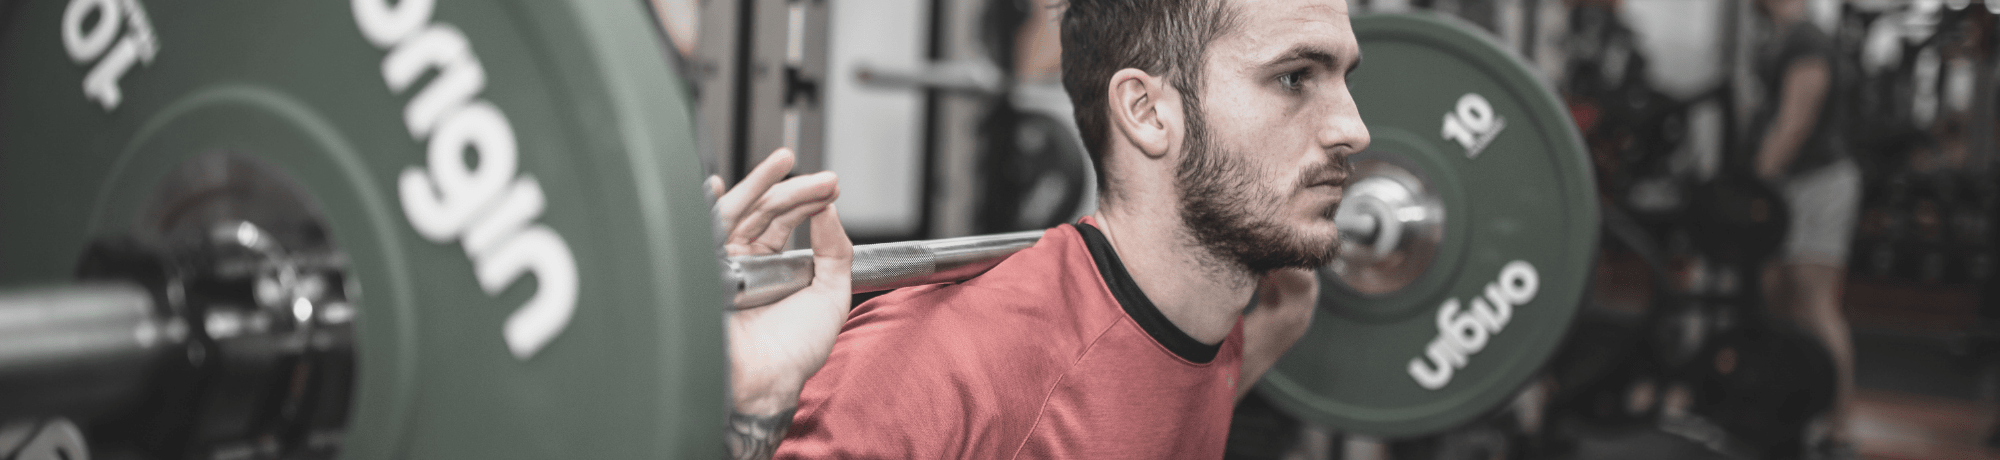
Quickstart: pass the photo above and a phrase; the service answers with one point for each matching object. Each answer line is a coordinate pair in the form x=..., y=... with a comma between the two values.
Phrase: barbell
x=476, y=229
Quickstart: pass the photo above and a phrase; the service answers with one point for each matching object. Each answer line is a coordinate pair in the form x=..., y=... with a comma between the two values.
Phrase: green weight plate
x=490, y=323
x=1421, y=343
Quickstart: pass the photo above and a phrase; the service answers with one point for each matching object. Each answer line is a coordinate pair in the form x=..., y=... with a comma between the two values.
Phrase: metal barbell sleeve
x=760, y=280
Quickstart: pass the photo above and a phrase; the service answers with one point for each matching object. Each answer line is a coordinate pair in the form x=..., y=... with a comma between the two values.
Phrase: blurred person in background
x=1800, y=153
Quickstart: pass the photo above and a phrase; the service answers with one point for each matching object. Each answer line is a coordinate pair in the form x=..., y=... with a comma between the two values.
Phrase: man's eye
x=1294, y=80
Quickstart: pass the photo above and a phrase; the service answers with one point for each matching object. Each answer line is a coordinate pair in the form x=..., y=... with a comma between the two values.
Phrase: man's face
x=1266, y=155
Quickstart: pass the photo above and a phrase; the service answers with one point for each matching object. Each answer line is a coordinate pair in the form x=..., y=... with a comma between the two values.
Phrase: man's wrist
x=760, y=413
x=756, y=436
x=757, y=393
x=765, y=402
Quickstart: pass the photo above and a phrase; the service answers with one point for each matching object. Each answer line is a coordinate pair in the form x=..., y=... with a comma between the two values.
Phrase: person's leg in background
x=1812, y=273
x=1816, y=291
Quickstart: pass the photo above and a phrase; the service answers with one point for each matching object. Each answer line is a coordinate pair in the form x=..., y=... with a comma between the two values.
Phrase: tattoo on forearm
x=756, y=437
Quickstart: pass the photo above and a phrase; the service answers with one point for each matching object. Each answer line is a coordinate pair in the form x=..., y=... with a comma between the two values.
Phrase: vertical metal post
x=1734, y=65
x=812, y=80
x=769, y=78
x=933, y=148
x=1531, y=28
x=763, y=62
x=953, y=133
x=719, y=68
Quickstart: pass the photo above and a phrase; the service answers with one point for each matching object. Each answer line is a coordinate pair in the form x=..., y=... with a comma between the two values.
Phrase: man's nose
x=1341, y=131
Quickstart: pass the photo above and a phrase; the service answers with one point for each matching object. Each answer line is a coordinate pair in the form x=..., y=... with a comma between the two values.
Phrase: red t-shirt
x=1054, y=353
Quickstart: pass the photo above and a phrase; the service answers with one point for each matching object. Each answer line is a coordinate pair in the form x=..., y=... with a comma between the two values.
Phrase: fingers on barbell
x=731, y=205
x=768, y=224
x=833, y=253
x=714, y=188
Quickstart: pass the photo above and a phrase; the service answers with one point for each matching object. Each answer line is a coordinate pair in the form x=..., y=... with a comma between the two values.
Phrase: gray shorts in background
x=1825, y=204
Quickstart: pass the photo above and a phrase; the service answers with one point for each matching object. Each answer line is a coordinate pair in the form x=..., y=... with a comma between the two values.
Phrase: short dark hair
x=1167, y=38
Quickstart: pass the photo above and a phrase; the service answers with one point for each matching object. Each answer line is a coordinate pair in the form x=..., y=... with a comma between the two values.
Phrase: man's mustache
x=1334, y=173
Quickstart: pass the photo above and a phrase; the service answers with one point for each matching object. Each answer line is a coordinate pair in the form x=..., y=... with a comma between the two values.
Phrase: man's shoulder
x=912, y=367
x=1042, y=305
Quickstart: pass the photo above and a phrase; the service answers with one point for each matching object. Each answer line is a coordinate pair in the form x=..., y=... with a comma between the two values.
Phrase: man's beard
x=1234, y=217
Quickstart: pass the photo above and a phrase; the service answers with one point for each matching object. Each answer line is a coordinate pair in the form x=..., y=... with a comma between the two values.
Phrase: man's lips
x=1334, y=184
x=1335, y=193
x=1332, y=176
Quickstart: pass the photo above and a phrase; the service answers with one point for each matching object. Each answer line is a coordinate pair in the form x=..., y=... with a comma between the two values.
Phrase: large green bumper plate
x=1460, y=337
x=513, y=184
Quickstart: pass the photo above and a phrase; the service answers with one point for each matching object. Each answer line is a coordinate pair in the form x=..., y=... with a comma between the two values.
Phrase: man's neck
x=1200, y=293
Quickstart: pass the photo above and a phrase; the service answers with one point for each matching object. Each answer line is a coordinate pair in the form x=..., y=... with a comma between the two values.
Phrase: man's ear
x=1145, y=111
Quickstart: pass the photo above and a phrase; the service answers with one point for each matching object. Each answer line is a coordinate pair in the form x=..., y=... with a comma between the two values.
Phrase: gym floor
x=1921, y=395
x=1920, y=392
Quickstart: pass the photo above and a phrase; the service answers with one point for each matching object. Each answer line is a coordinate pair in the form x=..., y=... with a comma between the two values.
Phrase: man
x=1220, y=130
x=1802, y=153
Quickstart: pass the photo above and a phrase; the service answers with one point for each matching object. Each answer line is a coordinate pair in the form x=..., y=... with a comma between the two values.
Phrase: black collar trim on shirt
x=1136, y=304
